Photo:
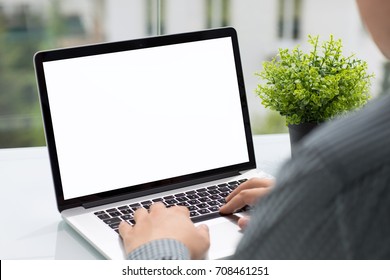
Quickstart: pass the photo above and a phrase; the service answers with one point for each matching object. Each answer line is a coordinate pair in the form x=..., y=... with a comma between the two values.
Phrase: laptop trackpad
x=223, y=245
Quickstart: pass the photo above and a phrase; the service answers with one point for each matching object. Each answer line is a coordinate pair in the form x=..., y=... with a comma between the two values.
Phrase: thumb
x=203, y=242
x=243, y=222
x=125, y=229
x=203, y=231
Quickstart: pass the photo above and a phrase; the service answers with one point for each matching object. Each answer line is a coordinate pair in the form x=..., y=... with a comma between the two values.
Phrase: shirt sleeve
x=161, y=249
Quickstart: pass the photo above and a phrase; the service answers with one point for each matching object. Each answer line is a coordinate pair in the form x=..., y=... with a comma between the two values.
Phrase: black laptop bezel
x=148, y=188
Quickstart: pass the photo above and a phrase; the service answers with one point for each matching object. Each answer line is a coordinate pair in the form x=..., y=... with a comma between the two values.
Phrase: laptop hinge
x=242, y=172
x=118, y=198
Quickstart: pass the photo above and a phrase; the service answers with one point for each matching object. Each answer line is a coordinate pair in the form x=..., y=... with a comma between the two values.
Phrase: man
x=332, y=201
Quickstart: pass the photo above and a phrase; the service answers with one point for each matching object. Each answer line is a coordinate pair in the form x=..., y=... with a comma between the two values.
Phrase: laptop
x=135, y=122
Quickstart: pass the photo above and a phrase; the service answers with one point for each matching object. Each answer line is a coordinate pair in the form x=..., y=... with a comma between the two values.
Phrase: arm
x=160, y=249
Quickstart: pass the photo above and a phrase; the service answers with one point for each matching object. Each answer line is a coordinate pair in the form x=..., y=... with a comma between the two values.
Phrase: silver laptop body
x=140, y=120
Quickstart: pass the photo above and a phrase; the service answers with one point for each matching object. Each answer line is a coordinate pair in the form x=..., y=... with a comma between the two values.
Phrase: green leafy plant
x=315, y=86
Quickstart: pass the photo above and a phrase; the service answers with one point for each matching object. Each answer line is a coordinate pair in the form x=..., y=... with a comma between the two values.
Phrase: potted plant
x=310, y=88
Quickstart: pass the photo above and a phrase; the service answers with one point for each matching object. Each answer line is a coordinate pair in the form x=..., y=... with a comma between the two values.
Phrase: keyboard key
x=112, y=221
x=114, y=214
x=135, y=205
x=126, y=217
x=233, y=187
x=213, y=191
x=114, y=226
x=213, y=203
x=127, y=211
x=201, y=190
x=184, y=203
x=203, y=211
x=214, y=209
x=194, y=214
x=193, y=202
x=202, y=205
x=190, y=192
x=181, y=198
x=215, y=197
x=225, y=194
x=180, y=194
x=99, y=213
x=123, y=208
x=112, y=210
x=104, y=216
x=233, y=183
x=205, y=217
x=204, y=199
x=212, y=187
x=170, y=201
x=203, y=194
x=192, y=208
x=157, y=199
x=224, y=189
x=168, y=197
x=146, y=202
x=192, y=196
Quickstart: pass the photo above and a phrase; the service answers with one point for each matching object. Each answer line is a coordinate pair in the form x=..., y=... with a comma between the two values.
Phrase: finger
x=243, y=222
x=157, y=206
x=235, y=192
x=140, y=214
x=237, y=202
x=181, y=209
x=204, y=243
x=250, y=184
x=245, y=197
x=203, y=230
x=124, y=229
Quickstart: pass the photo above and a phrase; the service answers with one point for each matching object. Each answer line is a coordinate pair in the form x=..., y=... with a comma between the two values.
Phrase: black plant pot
x=298, y=132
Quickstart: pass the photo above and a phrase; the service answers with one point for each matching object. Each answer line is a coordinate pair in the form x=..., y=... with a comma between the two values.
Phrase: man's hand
x=161, y=222
x=247, y=193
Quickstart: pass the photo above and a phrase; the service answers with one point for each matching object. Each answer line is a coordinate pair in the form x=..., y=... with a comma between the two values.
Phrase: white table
x=31, y=226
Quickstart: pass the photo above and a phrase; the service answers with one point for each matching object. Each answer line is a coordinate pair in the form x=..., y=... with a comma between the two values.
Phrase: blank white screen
x=133, y=117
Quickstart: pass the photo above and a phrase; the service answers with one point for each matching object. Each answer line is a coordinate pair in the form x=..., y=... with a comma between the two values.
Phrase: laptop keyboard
x=203, y=204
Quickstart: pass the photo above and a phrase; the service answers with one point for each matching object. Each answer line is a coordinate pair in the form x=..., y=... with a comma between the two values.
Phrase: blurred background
x=263, y=26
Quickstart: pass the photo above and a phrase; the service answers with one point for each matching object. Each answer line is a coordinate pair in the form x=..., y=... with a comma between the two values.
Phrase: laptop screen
x=133, y=116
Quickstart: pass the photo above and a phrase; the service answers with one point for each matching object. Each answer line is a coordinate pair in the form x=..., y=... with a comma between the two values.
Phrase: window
x=155, y=17
x=289, y=19
x=21, y=35
x=218, y=13
x=263, y=26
